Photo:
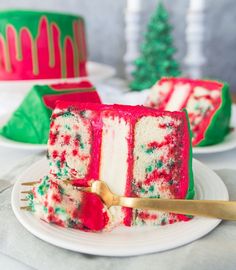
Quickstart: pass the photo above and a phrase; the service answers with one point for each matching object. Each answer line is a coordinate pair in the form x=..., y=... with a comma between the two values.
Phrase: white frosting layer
x=114, y=154
x=178, y=97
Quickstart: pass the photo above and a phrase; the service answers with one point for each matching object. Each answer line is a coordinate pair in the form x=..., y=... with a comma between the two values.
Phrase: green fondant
x=191, y=191
x=220, y=122
x=30, y=20
x=31, y=121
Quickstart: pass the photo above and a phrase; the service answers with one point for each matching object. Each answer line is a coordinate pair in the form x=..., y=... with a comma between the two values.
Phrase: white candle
x=197, y=5
x=134, y=5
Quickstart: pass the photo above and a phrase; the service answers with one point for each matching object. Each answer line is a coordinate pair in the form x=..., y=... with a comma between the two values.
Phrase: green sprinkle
x=71, y=223
x=66, y=114
x=59, y=210
x=81, y=145
x=155, y=196
x=67, y=127
x=82, y=113
x=151, y=188
x=61, y=190
x=45, y=209
x=163, y=221
x=149, y=150
x=58, y=163
x=149, y=169
x=30, y=196
x=159, y=164
x=171, y=182
x=143, y=190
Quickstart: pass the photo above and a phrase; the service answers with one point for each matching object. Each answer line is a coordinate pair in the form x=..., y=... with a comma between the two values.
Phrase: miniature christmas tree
x=157, y=52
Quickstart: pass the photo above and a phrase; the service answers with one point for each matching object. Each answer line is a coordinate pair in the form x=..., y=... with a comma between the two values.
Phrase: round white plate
x=228, y=143
x=123, y=241
x=18, y=145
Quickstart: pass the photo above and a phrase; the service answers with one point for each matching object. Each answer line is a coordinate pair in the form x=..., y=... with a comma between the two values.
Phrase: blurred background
x=106, y=38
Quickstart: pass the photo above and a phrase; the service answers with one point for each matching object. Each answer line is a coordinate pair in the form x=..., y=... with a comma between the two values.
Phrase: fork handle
x=208, y=208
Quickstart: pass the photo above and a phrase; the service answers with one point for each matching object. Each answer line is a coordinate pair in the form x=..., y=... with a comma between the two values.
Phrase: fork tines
x=32, y=183
x=27, y=208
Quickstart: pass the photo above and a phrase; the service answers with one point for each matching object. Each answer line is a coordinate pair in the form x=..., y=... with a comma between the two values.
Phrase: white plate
x=228, y=143
x=138, y=98
x=18, y=145
x=123, y=241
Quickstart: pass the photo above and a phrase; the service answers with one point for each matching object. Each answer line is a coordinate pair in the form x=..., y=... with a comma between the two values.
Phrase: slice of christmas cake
x=31, y=120
x=60, y=203
x=208, y=104
x=137, y=151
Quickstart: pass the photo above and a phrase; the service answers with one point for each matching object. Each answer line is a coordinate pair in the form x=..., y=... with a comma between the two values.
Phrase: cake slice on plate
x=137, y=151
x=208, y=104
x=59, y=203
x=31, y=120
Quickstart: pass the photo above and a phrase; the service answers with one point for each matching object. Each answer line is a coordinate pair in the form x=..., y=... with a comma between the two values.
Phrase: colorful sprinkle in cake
x=208, y=104
x=41, y=45
x=137, y=151
x=31, y=120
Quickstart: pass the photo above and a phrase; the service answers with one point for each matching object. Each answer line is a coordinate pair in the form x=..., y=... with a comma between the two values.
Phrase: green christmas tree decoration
x=157, y=52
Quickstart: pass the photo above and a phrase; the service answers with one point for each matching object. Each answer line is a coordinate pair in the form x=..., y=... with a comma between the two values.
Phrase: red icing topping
x=71, y=86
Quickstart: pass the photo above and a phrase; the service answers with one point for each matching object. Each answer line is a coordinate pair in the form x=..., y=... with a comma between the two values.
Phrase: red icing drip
x=69, y=58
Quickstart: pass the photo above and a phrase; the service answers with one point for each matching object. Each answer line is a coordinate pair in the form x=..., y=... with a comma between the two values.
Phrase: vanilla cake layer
x=208, y=105
x=137, y=151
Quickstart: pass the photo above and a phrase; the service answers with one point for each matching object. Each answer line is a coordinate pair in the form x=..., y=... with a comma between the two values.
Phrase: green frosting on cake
x=219, y=126
x=30, y=20
x=30, y=122
x=191, y=192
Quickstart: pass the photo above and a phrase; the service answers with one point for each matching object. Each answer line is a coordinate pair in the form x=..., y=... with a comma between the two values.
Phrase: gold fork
x=208, y=208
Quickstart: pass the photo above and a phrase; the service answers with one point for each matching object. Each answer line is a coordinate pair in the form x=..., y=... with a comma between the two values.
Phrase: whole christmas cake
x=41, y=45
x=137, y=151
x=208, y=104
x=31, y=120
